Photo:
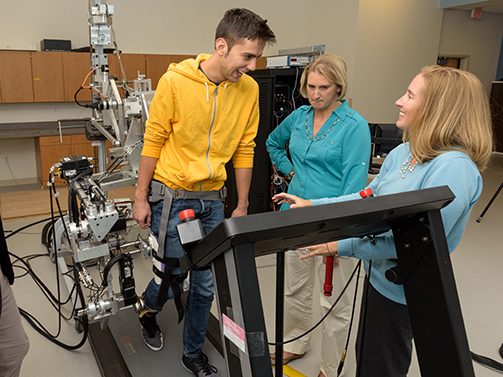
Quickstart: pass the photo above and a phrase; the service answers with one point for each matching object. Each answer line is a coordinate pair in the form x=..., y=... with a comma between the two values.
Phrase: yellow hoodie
x=195, y=127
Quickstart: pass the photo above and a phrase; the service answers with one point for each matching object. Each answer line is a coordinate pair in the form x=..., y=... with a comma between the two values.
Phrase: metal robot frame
x=96, y=229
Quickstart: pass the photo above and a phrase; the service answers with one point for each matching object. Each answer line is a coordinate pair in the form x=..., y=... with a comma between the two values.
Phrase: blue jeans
x=201, y=292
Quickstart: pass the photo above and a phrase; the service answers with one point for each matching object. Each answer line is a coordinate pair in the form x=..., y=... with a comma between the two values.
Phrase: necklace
x=309, y=133
x=408, y=165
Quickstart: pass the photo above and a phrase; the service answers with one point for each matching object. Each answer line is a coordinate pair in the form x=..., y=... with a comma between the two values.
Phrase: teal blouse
x=333, y=163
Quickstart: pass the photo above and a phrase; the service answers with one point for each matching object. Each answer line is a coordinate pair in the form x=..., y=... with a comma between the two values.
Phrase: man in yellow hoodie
x=205, y=112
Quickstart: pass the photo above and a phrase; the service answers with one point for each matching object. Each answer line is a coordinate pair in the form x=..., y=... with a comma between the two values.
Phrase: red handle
x=329, y=269
x=366, y=193
x=329, y=263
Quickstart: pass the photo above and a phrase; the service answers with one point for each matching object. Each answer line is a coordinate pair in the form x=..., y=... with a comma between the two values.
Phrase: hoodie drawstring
x=207, y=92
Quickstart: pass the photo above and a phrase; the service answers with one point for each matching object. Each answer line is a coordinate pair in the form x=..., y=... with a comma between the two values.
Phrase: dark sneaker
x=200, y=366
x=151, y=333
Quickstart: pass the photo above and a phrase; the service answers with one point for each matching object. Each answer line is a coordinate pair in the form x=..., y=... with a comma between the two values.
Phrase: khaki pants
x=13, y=340
x=299, y=285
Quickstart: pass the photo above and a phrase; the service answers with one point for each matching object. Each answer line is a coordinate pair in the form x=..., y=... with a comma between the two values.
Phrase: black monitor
x=384, y=138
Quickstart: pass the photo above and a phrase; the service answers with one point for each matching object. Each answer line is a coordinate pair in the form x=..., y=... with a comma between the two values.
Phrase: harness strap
x=206, y=195
x=158, y=191
x=173, y=281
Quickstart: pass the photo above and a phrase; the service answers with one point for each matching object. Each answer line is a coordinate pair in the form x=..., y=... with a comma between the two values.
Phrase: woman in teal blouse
x=328, y=155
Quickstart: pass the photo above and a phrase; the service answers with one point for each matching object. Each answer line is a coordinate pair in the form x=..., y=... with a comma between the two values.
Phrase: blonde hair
x=333, y=68
x=454, y=115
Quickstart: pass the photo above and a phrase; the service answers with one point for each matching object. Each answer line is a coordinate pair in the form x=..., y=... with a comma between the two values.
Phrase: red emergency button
x=187, y=214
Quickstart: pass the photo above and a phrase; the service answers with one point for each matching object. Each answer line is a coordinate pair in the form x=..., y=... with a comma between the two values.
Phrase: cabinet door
x=132, y=63
x=157, y=65
x=81, y=146
x=15, y=77
x=47, y=68
x=261, y=63
x=51, y=149
x=76, y=65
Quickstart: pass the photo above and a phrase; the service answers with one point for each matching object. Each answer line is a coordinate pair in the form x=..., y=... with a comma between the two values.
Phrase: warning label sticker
x=234, y=332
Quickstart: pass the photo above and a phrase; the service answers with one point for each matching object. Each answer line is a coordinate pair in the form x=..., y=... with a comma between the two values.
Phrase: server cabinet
x=278, y=97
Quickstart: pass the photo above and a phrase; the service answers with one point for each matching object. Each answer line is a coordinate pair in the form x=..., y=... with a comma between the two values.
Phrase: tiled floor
x=477, y=266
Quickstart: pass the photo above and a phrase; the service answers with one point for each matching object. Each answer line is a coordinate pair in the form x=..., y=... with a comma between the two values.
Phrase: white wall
x=335, y=25
x=395, y=39
x=480, y=40
x=174, y=26
x=23, y=23
x=18, y=164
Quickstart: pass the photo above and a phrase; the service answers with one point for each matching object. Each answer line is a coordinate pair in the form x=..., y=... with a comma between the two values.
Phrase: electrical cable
x=58, y=287
x=109, y=266
x=488, y=362
x=75, y=97
x=54, y=301
x=362, y=324
x=279, y=184
x=345, y=352
x=295, y=87
x=87, y=171
x=84, y=86
x=52, y=189
x=51, y=298
x=322, y=318
x=26, y=226
x=27, y=259
x=45, y=290
x=45, y=334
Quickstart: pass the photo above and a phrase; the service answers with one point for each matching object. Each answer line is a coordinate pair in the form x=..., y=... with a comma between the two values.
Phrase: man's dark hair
x=241, y=23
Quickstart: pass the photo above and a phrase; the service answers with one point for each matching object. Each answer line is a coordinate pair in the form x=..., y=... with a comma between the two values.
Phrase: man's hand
x=294, y=201
x=243, y=181
x=239, y=211
x=141, y=208
x=142, y=213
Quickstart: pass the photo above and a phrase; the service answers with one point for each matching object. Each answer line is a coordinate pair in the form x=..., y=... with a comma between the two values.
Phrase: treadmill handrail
x=299, y=227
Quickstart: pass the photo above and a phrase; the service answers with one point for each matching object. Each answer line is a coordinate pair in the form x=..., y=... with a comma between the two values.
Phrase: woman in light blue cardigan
x=446, y=122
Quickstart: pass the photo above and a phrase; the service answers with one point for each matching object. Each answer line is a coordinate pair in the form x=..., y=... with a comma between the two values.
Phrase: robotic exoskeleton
x=98, y=231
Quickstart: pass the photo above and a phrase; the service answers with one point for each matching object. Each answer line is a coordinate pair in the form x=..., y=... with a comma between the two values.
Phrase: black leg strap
x=173, y=281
